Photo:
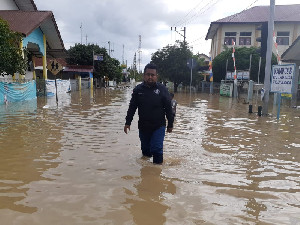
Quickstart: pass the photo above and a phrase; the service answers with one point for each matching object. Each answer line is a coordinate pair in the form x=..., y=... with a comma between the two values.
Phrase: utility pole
x=123, y=55
x=134, y=65
x=112, y=50
x=267, y=83
x=109, y=48
x=184, y=33
x=139, y=51
x=259, y=64
x=192, y=65
x=81, y=32
x=86, y=39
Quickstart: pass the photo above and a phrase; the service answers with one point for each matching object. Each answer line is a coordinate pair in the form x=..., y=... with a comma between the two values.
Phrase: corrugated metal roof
x=24, y=21
x=283, y=13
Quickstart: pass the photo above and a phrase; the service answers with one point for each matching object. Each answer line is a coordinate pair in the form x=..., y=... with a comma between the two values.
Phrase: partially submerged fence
x=17, y=91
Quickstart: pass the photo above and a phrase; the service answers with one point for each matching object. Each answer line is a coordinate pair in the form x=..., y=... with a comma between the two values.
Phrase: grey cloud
x=117, y=21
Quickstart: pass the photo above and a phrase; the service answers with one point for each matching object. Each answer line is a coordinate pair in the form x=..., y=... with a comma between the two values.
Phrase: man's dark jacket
x=154, y=105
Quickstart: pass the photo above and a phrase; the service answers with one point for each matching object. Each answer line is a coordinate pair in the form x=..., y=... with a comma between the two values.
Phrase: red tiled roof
x=283, y=13
x=39, y=61
x=24, y=21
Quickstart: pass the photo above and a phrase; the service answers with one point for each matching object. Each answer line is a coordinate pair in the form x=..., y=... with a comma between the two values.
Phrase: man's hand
x=169, y=130
x=126, y=127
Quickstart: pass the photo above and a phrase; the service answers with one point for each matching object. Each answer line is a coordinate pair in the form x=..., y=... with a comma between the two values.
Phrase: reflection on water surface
x=71, y=163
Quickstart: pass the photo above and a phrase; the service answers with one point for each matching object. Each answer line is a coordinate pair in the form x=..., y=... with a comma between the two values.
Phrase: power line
x=201, y=11
x=187, y=13
x=235, y=15
x=210, y=4
x=232, y=17
x=197, y=39
x=205, y=9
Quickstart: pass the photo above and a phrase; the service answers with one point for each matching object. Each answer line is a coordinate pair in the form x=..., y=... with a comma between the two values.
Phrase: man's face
x=150, y=77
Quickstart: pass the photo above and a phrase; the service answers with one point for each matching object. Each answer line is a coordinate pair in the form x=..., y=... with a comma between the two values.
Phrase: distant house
x=244, y=28
x=205, y=57
x=40, y=33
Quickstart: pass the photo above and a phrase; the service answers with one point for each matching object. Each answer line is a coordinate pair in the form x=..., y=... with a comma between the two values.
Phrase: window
x=283, y=38
x=283, y=33
x=245, y=38
x=229, y=38
x=230, y=33
x=245, y=41
x=245, y=34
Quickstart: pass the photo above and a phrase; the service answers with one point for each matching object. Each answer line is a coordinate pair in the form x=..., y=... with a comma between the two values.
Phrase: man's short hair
x=150, y=66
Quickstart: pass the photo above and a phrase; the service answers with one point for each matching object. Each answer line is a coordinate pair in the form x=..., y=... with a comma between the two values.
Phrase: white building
x=243, y=28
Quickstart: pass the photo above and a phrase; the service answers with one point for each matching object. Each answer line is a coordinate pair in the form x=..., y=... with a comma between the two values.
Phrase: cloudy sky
x=121, y=22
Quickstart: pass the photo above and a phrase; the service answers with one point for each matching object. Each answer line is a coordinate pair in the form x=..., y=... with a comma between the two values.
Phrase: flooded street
x=71, y=163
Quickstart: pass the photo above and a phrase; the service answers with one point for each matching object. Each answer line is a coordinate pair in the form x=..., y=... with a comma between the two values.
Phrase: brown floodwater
x=71, y=163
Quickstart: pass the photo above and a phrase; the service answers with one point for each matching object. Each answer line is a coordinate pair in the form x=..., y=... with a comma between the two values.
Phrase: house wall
x=217, y=45
x=234, y=28
x=35, y=37
x=214, y=44
x=294, y=30
x=8, y=5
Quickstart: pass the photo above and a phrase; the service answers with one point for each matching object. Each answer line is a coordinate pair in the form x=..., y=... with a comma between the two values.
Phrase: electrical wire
x=196, y=16
x=199, y=12
x=187, y=14
x=235, y=15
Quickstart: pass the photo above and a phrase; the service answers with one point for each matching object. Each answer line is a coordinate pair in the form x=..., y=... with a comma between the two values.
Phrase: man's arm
x=131, y=111
x=168, y=110
x=126, y=128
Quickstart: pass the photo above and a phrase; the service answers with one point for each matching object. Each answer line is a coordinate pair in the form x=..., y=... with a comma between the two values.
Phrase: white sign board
x=98, y=57
x=240, y=75
x=246, y=75
x=282, y=78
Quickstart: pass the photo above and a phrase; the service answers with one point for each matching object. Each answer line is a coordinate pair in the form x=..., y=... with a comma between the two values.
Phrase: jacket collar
x=154, y=86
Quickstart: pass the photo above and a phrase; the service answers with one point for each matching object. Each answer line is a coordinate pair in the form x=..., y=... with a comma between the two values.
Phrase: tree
x=242, y=60
x=83, y=55
x=11, y=58
x=201, y=67
x=171, y=62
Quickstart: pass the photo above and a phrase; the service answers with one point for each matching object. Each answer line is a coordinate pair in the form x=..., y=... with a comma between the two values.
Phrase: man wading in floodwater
x=154, y=104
